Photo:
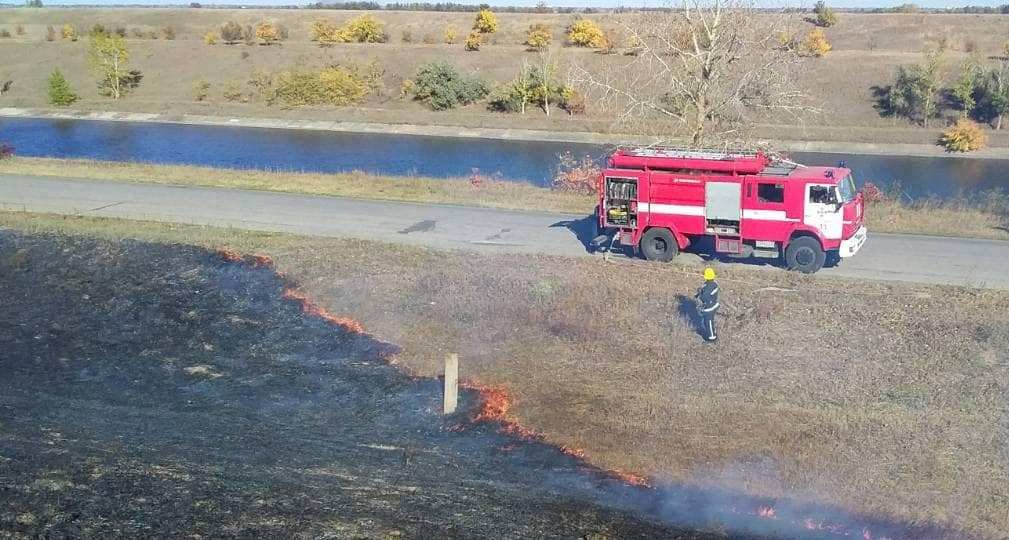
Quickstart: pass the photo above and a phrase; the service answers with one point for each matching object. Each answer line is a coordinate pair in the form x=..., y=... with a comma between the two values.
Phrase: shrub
x=1005, y=50
x=69, y=32
x=816, y=43
x=363, y=29
x=825, y=16
x=168, y=32
x=210, y=38
x=201, y=90
x=473, y=42
x=5, y=33
x=572, y=101
x=60, y=93
x=486, y=22
x=451, y=35
x=231, y=32
x=585, y=33
x=121, y=31
x=138, y=33
x=441, y=86
x=530, y=87
x=267, y=33
x=539, y=36
x=249, y=35
x=325, y=32
x=787, y=41
x=574, y=175
x=431, y=38
x=98, y=30
x=6, y=151
x=334, y=85
x=50, y=33
x=964, y=136
x=233, y=92
x=872, y=194
x=19, y=30
x=406, y=35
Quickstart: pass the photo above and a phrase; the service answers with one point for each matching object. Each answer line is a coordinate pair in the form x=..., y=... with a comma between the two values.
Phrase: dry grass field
x=867, y=50
x=883, y=399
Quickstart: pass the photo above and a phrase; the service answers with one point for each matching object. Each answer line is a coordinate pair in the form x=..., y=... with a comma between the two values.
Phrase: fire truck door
x=822, y=210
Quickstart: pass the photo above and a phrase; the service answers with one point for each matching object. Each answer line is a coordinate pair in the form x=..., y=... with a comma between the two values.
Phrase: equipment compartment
x=621, y=202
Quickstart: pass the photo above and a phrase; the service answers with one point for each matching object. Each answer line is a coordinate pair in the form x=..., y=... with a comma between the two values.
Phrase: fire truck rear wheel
x=805, y=255
x=658, y=244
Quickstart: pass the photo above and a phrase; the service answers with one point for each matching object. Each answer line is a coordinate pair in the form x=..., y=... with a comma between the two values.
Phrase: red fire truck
x=661, y=200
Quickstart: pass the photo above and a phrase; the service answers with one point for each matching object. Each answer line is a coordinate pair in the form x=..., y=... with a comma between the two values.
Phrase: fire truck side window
x=771, y=193
x=822, y=195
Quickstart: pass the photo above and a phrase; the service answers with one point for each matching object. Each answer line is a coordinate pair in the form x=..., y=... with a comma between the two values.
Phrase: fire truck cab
x=660, y=200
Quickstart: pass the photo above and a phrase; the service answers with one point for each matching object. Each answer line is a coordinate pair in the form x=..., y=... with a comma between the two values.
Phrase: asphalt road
x=955, y=261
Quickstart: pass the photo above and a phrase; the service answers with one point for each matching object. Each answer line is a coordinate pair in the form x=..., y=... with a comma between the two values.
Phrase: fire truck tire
x=658, y=244
x=805, y=255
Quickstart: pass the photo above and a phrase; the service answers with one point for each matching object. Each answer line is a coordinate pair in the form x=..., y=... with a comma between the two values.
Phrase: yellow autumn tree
x=539, y=36
x=267, y=33
x=486, y=22
x=586, y=33
x=816, y=43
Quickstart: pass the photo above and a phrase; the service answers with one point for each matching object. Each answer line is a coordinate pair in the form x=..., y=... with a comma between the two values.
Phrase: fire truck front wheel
x=658, y=244
x=805, y=255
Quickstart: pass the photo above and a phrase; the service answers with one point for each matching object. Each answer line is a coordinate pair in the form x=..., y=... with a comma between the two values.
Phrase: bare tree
x=704, y=71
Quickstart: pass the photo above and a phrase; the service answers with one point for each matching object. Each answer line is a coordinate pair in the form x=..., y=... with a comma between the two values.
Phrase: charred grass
x=931, y=217
x=883, y=399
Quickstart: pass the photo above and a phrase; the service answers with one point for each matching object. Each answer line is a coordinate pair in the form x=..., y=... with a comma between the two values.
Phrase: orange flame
x=495, y=407
x=310, y=308
x=230, y=255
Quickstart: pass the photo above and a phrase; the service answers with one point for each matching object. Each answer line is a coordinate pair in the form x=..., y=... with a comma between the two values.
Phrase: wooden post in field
x=451, y=383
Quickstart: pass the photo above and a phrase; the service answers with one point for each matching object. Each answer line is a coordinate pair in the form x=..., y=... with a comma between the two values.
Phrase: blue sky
x=570, y=3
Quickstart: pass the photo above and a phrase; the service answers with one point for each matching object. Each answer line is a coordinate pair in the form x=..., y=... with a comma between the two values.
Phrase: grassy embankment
x=818, y=390
x=957, y=218
x=867, y=49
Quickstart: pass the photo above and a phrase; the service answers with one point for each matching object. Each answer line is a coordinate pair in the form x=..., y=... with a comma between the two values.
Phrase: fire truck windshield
x=846, y=189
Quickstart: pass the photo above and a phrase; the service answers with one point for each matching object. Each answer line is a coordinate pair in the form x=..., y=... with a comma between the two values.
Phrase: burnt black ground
x=287, y=426
x=158, y=390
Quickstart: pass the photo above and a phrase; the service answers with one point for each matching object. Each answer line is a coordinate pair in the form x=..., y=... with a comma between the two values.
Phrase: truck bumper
x=851, y=246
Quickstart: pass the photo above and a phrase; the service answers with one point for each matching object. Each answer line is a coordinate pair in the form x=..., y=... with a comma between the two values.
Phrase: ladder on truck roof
x=684, y=153
x=696, y=160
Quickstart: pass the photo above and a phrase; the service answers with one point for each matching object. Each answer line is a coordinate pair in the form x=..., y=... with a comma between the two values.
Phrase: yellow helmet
x=709, y=274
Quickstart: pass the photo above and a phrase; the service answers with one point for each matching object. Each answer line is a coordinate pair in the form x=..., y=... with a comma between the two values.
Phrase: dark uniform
x=707, y=306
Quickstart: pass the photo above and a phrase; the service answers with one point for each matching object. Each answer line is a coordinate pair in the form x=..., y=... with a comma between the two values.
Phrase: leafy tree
x=60, y=93
x=964, y=136
x=994, y=91
x=914, y=93
x=109, y=59
x=825, y=16
x=816, y=43
x=231, y=32
x=33, y=3
x=586, y=33
x=325, y=33
x=473, y=42
x=486, y=22
x=451, y=34
x=363, y=29
x=267, y=33
x=441, y=86
x=539, y=36
x=966, y=86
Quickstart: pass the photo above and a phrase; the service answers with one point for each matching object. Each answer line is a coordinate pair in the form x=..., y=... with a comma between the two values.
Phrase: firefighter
x=707, y=305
